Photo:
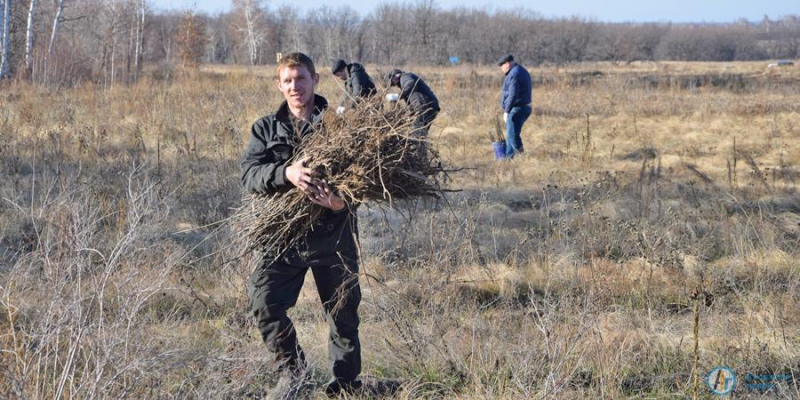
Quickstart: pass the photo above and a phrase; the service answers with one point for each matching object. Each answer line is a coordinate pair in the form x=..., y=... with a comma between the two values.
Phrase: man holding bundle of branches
x=357, y=83
x=329, y=248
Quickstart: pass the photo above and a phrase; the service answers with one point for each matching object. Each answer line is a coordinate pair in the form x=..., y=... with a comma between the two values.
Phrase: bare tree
x=56, y=22
x=642, y=41
x=29, y=37
x=139, y=38
x=424, y=14
x=251, y=25
x=570, y=38
x=346, y=31
x=108, y=30
x=162, y=34
x=5, y=22
x=390, y=30
x=220, y=41
x=606, y=44
x=191, y=40
x=332, y=33
x=289, y=29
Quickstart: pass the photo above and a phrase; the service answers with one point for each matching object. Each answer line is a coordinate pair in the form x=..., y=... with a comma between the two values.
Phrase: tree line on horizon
x=109, y=41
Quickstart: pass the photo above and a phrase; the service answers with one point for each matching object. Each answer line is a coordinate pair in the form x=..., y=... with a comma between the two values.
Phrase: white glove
x=505, y=117
x=340, y=110
x=392, y=97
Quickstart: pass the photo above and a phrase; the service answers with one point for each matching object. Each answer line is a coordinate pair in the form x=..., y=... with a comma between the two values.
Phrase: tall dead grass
x=567, y=273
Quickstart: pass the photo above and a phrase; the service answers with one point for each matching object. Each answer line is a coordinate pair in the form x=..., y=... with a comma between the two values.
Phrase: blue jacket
x=516, y=88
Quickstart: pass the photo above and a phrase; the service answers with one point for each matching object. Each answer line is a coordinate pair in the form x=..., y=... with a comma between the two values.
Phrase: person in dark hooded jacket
x=418, y=95
x=357, y=84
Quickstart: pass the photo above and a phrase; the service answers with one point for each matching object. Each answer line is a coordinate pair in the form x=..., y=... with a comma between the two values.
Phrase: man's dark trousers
x=422, y=124
x=423, y=120
x=274, y=287
x=516, y=117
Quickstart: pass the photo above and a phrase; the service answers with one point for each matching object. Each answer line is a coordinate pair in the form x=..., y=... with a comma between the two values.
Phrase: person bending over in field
x=357, y=83
x=420, y=98
x=515, y=99
x=328, y=249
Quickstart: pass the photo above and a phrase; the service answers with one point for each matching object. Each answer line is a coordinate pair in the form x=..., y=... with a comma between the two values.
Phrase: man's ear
x=316, y=79
x=278, y=83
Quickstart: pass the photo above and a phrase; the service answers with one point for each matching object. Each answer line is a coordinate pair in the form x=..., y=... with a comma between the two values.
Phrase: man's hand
x=316, y=190
x=301, y=176
x=505, y=117
x=325, y=197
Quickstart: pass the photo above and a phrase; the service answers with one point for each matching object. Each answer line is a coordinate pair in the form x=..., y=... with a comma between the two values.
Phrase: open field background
x=565, y=273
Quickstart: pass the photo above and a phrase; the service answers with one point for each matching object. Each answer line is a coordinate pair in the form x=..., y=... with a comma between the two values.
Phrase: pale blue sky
x=600, y=10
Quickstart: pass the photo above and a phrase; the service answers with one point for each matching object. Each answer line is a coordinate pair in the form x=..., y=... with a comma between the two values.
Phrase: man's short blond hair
x=293, y=60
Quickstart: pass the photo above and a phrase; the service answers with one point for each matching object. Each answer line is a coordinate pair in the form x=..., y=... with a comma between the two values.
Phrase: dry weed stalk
x=696, y=335
x=370, y=153
x=757, y=171
x=498, y=135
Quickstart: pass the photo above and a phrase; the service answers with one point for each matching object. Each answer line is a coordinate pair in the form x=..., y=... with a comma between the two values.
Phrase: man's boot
x=337, y=387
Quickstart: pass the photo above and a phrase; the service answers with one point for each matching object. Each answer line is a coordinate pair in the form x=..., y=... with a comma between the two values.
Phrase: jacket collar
x=291, y=128
x=320, y=104
x=513, y=67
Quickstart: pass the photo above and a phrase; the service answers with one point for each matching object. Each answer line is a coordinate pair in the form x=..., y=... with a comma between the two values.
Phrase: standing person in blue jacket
x=515, y=99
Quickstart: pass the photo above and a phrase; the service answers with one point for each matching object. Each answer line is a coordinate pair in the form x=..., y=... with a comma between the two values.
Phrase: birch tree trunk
x=251, y=13
x=56, y=20
x=139, y=41
x=251, y=36
x=113, y=57
x=29, y=37
x=5, y=21
x=133, y=36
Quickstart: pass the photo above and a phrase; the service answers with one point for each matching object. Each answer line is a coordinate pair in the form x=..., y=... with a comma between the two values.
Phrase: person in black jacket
x=328, y=249
x=422, y=102
x=420, y=98
x=357, y=84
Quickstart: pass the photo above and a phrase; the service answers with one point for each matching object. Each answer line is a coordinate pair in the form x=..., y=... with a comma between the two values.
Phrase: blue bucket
x=499, y=150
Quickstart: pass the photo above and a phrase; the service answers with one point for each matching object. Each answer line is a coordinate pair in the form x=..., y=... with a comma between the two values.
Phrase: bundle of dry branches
x=369, y=153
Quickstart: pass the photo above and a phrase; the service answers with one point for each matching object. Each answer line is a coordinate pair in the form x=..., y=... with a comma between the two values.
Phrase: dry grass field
x=566, y=273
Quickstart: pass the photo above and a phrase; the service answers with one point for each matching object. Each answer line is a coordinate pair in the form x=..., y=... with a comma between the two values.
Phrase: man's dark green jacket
x=272, y=144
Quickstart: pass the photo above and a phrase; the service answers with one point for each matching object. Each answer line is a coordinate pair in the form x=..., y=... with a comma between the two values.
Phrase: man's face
x=341, y=75
x=505, y=67
x=297, y=85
